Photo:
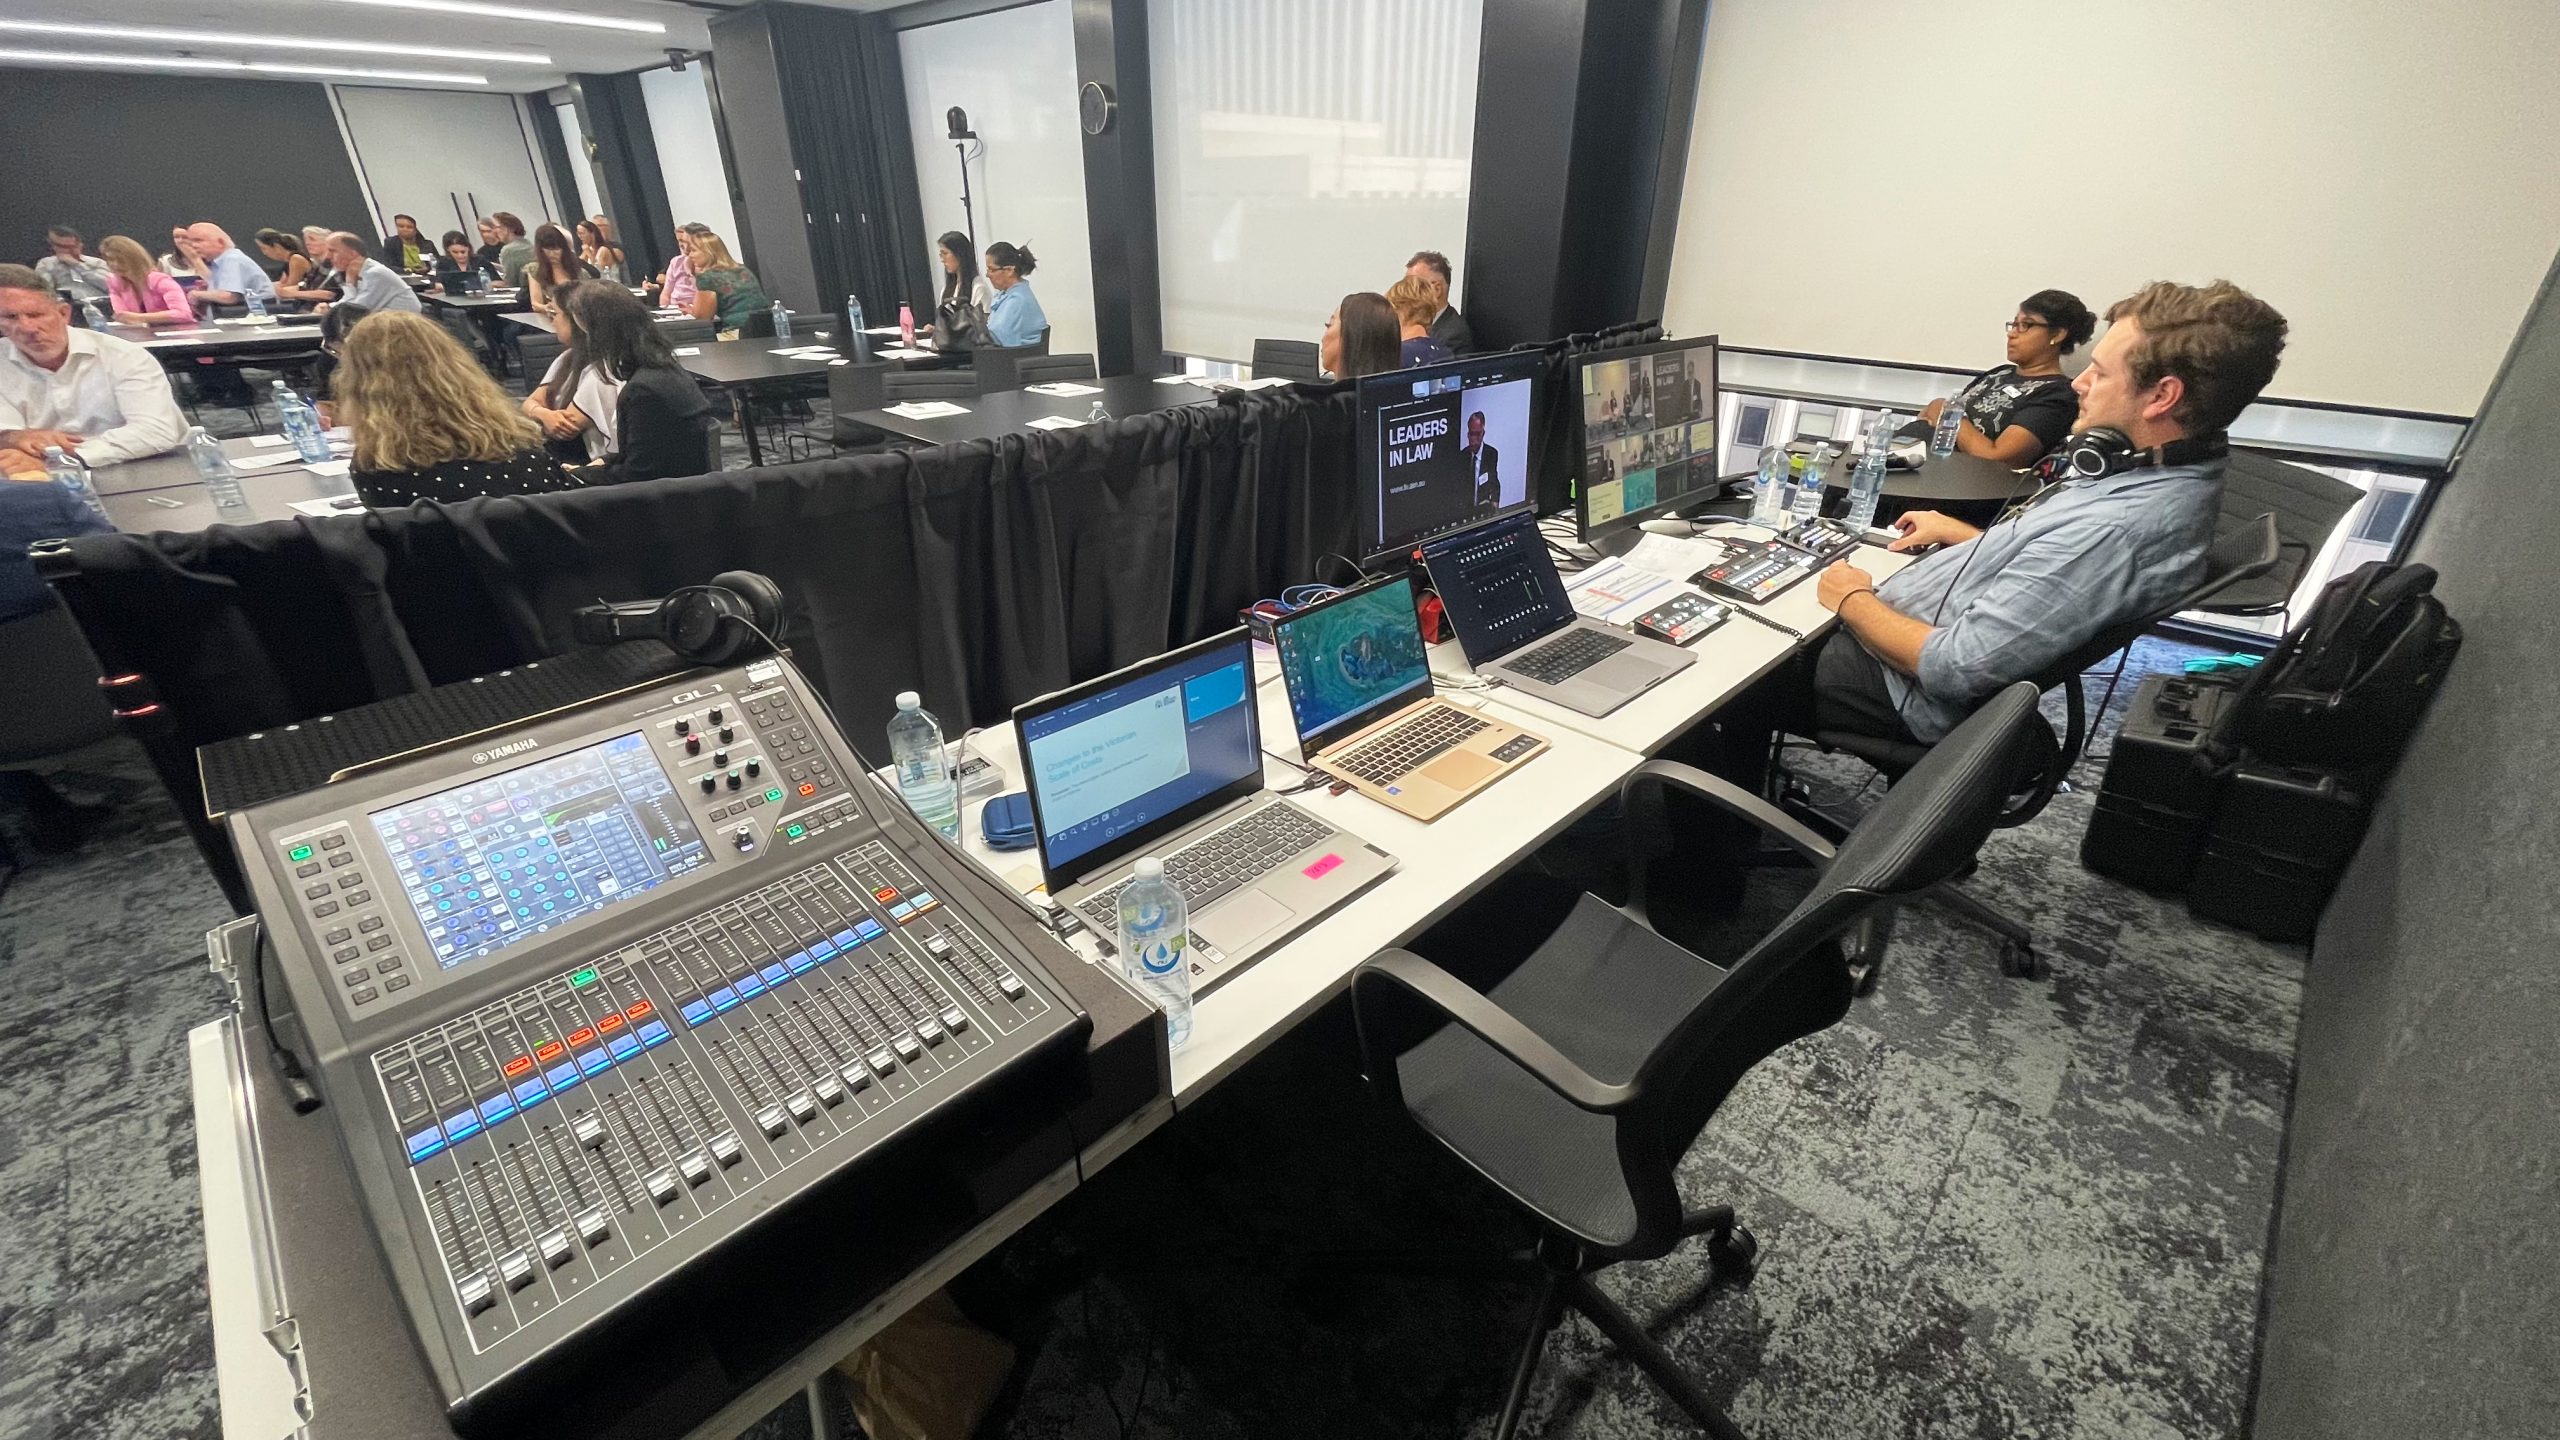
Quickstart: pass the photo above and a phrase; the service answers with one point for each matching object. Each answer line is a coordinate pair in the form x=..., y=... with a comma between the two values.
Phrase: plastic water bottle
x=1806, y=504
x=1769, y=490
x=1866, y=483
x=214, y=469
x=480, y=281
x=1155, y=937
x=97, y=314
x=781, y=322
x=1942, y=441
x=923, y=766
x=906, y=324
x=71, y=472
x=301, y=425
x=1097, y=415
x=257, y=306
x=859, y=346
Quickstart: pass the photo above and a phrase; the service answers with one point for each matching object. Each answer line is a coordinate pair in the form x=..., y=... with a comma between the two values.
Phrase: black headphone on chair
x=707, y=624
x=2099, y=451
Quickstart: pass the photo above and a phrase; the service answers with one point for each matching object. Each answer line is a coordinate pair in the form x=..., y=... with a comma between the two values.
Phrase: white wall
x=2386, y=174
x=1304, y=149
x=1015, y=73
x=688, y=148
x=581, y=167
x=418, y=152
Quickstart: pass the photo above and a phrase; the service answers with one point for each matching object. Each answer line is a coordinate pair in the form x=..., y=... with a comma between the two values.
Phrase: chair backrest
x=1041, y=369
x=758, y=325
x=537, y=349
x=53, y=682
x=998, y=367
x=1288, y=359
x=2307, y=507
x=688, y=331
x=929, y=384
x=857, y=387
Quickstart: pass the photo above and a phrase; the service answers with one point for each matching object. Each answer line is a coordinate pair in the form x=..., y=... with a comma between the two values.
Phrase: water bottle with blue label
x=923, y=765
x=857, y=343
x=71, y=472
x=1769, y=490
x=781, y=322
x=301, y=425
x=1806, y=504
x=214, y=469
x=1866, y=483
x=1155, y=943
x=1942, y=440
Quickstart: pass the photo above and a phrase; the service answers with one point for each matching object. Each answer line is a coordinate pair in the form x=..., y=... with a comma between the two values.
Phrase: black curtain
x=616, y=113
x=846, y=97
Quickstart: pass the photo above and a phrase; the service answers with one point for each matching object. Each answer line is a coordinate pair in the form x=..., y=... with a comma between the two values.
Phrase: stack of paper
x=903, y=352
x=1055, y=422
x=927, y=410
x=1617, y=592
x=1063, y=387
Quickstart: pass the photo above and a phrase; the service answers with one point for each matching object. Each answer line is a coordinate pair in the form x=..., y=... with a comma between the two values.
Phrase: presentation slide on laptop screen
x=1359, y=656
x=1117, y=760
x=1444, y=447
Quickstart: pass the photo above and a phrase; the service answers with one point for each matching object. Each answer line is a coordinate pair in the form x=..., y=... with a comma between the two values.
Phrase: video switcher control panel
x=591, y=995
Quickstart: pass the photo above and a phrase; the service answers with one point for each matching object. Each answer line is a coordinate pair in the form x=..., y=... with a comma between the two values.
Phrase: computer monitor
x=1444, y=447
x=1116, y=763
x=1646, y=430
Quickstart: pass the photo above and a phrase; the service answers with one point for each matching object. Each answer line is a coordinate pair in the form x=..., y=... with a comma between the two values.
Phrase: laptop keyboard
x=1409, y=746
x=1222, y=861
x=1565, y=656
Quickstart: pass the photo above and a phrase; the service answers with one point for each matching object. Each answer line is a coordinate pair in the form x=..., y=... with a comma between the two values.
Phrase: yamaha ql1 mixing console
x=597, y=998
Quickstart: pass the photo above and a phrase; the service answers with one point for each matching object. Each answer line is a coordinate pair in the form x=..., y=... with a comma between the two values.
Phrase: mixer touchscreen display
x=501, y=860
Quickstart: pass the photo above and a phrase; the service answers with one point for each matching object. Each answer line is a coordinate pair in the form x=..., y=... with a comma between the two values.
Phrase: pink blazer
x=165, y=296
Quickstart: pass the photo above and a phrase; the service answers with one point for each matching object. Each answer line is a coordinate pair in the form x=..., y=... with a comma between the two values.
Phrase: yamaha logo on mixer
x=513, y=747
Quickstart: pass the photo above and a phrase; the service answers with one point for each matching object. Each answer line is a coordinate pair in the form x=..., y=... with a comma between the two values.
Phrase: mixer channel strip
x=564, y=1130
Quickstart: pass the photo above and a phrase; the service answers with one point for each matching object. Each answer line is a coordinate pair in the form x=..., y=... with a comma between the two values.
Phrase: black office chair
x=898, y=386
x=535, y=350
x=1043, y=369
x=1288, y=359
x=2238, y=556
x=1577, y=1080
x=688, y=331
x=2307, y=507
x=54, y=681
x=758, y=325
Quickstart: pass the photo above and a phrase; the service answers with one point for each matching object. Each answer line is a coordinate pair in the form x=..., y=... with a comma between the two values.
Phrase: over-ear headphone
x=2099, y=451
x=707, y=624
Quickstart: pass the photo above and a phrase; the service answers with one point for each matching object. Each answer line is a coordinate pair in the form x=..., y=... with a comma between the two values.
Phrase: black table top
x=745, y=363
x=290, y=332
x=496, y=300
x=1956, y=478
x=161, y=492
x=1009, y=411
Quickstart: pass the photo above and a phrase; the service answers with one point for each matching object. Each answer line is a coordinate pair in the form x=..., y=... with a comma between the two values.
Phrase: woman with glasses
x=2016, y=412
x=1014, y=318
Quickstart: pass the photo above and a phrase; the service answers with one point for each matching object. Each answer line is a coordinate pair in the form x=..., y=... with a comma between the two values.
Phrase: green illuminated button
x=795, y=829
x=583, y=978
x=773, y=796
x=298, y=854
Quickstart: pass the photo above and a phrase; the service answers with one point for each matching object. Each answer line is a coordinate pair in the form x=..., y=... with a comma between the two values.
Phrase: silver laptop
x=1165, y=758
x=1513, y=618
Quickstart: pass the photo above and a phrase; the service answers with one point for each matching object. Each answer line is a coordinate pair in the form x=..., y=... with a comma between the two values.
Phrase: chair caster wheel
x=1733, y=1258
x=2021, y=961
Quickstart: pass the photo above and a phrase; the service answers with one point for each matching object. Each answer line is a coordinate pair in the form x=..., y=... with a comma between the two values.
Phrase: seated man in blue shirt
x=233, y=277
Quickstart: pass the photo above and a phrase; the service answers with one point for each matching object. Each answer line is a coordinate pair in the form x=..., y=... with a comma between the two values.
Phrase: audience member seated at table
x=674, y=284
x=725, y=292
x=960, y=315
x=493, y=244
x=515, y=252
x=574, y=400
x=85, y=276
x=182, y=263
x=1414, y=306
x=555, y=263
x=1360, y=337
x=28, y=514
x=96, y=394
x=138, y=294
x=454, y=256
x=1448, y=327
x=659, y=416
x=367, y=281
x=315, y=238
x=1988, y=608
x=231, y=277
x=601, y=255
x=405, y=248
x=1015, y=317
x=2014, y=413
x=294, y=263
x=333, y=346
x=429, y=423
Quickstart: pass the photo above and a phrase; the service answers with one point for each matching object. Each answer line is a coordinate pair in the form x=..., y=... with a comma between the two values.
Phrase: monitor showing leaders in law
x=1444, y=447
x=1647, y=418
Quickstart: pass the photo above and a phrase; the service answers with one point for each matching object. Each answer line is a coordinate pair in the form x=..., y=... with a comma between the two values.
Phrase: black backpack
x=2345, y=688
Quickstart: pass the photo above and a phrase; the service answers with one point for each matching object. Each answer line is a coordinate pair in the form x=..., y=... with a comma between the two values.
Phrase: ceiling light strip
x=163, y=36
x=263, y=67
x=519, y=12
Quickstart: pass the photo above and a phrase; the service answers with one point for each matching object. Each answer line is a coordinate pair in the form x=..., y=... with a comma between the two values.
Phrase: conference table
x=749, y=367
x=161, y=492
x=174, y=345
x=1957, y=479
x=1008, y=412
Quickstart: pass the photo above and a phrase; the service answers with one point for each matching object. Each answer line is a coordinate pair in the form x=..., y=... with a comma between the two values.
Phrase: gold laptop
x=1360, y=695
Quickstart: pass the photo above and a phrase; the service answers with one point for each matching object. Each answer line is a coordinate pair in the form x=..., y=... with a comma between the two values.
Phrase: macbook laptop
x=1359, y=684
x=1513, y=619
x=1165, y=758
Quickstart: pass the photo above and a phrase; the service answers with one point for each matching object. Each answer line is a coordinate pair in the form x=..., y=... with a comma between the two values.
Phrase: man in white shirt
x=369, y=282
x=234, y=276
x=67, y=268
x=101, y=396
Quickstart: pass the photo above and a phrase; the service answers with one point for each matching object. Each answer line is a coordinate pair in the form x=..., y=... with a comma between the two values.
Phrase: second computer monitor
x=1444, y=447
x=1647, y=422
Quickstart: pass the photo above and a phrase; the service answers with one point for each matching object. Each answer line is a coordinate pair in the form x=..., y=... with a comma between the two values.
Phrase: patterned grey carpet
x=1987, y=1207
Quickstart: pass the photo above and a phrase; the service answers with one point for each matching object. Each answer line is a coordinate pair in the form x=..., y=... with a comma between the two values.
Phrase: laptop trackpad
x=1241, y=920
x=1459, y=769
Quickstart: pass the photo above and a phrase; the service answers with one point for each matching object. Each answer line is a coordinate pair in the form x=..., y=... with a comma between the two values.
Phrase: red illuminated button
x=518, y=1066
x=548, y=1052
x=886, y=894
x=638, y=1009
x=610, y=1022
x=808, y=789
x=581, y=1035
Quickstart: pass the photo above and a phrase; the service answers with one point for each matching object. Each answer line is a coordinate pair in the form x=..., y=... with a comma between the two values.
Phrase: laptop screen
x=1352, y=659
x=1500, y=586
x=1117, y=762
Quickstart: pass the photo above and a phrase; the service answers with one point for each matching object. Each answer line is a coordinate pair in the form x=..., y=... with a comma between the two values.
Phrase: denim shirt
x=2026, y=592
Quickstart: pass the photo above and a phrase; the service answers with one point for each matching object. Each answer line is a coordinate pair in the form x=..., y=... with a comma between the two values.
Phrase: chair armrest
x=1436, y=989
x=1729, y=797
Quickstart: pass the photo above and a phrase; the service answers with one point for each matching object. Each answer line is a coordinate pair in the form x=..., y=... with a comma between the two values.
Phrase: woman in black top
x=2016, y=412
x=662, y=420
x=429, y=422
